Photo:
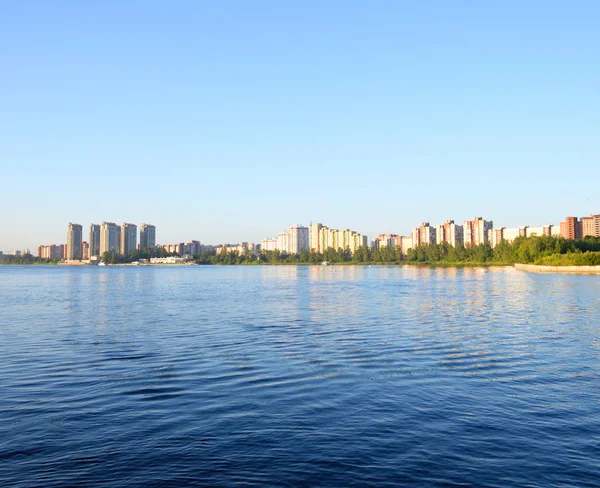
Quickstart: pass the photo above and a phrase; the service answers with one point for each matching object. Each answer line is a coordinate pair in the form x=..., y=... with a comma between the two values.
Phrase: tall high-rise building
x=191, y=247
x=282, y=241
x=358, y=240
x=477, y=231
x=119, y=248
x=323, y=233
x=147, y=237
x=451, y=233
x=51, y=252
x=110, y=237
x=424, y=234
x=298, y=239
x=321, y=237
x=74, y=240
x=128, y=238
x=94, y=240
x=404, y=243
x=571, y=228
x=332, y=239
x=269, y=244
x=385, y=240
x=590, y=226
x=85, y=250
x=314, y=231
x=497, y=236
x=345, y=239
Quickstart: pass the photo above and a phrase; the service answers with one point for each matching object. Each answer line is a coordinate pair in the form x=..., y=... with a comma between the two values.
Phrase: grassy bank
x=431, y=264
x=571, y=259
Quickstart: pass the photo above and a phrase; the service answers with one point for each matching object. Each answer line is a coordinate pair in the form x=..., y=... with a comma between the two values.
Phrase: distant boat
x=101, y=263
x=325, y=263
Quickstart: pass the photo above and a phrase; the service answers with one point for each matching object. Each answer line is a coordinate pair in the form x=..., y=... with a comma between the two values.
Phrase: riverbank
x=535, y=268
x=414, y=264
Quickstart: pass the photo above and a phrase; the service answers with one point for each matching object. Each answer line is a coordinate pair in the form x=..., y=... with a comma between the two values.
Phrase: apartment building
x=282, y=241
x=590, y=226
x=94, y=240
x=477, y=231
x=175, y=248
x=147, y=236
x=424, y=234
x=110, y=237
x=268, y=244
x=298, y=239
x=333, y=239
x=315, y=237
x=534, y=231
x=497, y=235
x=240, y=248
x=450, y=232
x=571, y=228
x=574, y=228
x=51, y=252
x=404, y=243
x=314, y=232
x=359, y=240
x=74, y=240
x=191, y=247
x=128, y=238
x=385, y=240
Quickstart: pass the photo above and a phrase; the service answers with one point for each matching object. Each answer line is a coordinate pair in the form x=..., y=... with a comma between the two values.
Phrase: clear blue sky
x=230, y=121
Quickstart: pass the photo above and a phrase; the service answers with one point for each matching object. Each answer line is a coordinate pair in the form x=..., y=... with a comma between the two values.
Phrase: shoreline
x=254, y=263
x=531, y=268
x=538, y=268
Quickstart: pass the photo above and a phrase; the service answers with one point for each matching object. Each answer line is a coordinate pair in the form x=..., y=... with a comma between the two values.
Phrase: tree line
x=26, y=259
x=110, y=257
x=527, y=250
x=546, y=250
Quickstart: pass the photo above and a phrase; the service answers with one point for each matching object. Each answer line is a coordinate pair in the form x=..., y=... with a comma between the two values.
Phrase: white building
x=322, y=237
x=424, y=234
x=239, y=248
x=385, y=240
x=298, y=239
x=450, y=232
x=282, y=242
x=268, y=244
x=168, y=260
x=192, y=247
x=110, y=237
x=477, y=231
x=406, y=243
x=534, y=231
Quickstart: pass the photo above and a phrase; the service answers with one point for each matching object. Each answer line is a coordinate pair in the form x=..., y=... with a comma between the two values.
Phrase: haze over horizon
x=232, y=122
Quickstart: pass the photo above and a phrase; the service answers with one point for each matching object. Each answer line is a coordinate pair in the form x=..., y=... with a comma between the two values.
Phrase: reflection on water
x=308, y=376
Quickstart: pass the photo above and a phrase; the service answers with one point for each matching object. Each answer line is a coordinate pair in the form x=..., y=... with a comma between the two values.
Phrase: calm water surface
x=297, y=376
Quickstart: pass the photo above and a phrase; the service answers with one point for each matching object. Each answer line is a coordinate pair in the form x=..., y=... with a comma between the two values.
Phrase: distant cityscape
x=123, y=239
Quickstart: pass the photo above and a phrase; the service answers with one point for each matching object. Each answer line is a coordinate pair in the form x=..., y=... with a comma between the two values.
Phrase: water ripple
x=298, y=376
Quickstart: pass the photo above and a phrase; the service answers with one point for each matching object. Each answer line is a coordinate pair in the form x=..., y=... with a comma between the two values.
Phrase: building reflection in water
x=356, y=319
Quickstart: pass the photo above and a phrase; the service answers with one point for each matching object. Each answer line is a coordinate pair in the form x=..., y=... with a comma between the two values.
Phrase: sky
x=231, y=121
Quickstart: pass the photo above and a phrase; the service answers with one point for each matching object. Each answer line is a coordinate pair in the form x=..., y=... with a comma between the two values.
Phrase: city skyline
x=189, y=234
x=123, y=239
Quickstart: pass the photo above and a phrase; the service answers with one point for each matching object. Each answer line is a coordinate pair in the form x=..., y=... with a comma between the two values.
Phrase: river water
x=298, y=376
